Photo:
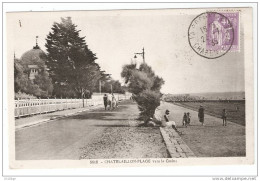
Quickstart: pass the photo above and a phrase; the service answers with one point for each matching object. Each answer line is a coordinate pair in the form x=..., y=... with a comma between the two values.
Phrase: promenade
x=98, y=134
x=211, y=140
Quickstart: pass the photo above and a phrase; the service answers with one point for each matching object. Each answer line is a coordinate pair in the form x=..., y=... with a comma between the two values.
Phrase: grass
x=215, y=109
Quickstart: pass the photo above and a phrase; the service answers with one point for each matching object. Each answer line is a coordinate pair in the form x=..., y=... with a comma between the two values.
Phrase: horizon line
x=207, y=92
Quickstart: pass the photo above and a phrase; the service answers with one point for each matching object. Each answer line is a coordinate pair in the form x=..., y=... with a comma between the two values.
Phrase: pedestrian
x=224, y=117
x=105, y=101
x=109, y=101
x=188, y=118
x=113, y=102
x=184, y=119
x=201, y=115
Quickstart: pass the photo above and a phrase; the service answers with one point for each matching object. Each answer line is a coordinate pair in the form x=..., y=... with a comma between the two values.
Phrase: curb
x=36, y=123
x=176, y=147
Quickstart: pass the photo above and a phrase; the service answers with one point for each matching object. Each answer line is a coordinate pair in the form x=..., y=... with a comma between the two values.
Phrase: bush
x=21, y=95
x=145, y=86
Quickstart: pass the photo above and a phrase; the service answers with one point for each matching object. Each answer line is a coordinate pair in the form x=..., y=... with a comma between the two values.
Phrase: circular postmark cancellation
x=211, y=35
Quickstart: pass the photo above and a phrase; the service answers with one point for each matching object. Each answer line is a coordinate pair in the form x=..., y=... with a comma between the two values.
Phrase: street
x=99, y=134
x=91, y=134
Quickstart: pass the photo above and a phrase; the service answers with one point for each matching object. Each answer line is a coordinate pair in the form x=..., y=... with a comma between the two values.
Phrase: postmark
x=212, y=34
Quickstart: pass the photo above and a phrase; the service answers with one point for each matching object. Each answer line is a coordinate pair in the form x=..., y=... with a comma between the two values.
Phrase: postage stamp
x=212, y=34
x=223, y=31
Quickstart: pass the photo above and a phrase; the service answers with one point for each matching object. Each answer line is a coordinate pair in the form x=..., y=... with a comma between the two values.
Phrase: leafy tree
x=41, y=86
x=70, y=62
x=19, y=76
x=145, y=86
x=44, y=83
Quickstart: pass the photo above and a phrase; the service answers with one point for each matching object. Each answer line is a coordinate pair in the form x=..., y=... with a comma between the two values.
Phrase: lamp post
x=140, y=54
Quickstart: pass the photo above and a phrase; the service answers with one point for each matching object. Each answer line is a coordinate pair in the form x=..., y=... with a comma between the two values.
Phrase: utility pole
x=111, y=89
x=143, y=55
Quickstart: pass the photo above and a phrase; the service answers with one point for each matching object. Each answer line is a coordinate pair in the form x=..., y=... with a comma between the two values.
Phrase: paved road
x=106, y=134
x=211, y=140
x=90, y=134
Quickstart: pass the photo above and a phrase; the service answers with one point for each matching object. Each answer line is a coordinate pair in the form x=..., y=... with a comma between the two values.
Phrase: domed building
x=33, y=61
x=31, y=74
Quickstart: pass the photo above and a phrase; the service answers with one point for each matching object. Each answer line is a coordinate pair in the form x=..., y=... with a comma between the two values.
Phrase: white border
x=187, y=170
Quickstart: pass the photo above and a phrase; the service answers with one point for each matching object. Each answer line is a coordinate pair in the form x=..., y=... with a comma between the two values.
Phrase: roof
x=34, y=56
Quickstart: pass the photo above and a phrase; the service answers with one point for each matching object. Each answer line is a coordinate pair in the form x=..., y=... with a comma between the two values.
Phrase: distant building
x=32, y=59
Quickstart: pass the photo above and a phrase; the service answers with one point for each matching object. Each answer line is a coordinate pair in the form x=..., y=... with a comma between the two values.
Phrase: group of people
x=186, y=119
x=110, y=101
x=165, y=121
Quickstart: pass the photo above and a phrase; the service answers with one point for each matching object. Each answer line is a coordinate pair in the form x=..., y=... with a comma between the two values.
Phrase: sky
x=116, y=35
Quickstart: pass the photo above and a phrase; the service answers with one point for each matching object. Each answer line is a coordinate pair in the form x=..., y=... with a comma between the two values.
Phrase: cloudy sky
x=116, y=35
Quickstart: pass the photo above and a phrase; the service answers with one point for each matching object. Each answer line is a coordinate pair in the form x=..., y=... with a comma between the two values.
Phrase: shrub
x=145, y=86
x=21, y=95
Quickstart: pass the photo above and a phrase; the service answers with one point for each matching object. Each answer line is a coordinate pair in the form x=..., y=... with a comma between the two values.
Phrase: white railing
x=27, y=107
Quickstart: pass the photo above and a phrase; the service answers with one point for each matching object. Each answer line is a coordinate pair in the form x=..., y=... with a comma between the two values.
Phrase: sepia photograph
x=130, y=87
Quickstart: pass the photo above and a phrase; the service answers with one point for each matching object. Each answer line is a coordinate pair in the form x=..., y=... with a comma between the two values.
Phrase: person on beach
x=105, y=101
x=201, y=115
x=184, y=119
x=224, y=117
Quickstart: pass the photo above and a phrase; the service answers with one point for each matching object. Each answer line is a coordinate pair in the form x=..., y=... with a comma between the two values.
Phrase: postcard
x=130, y=88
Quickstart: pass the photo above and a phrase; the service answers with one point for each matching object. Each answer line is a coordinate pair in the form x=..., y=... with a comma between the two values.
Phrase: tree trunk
x=82, y=96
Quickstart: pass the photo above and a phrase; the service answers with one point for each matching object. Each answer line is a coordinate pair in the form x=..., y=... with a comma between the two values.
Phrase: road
x=91, y=134
x=114, y=134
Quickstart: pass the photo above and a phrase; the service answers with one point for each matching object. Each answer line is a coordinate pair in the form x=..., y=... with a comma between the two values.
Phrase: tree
x=145, y=86
x=19, y=76
x=70, y=62
x=44, y=83
x=41, y=86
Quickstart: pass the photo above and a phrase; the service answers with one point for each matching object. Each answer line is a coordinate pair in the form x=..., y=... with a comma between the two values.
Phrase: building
x=34, y=70
x=33, y=60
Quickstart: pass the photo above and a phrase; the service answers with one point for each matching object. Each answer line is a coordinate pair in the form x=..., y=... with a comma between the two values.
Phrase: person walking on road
x=224, y=117
x=188, y=118
x=113, y=102
x=105, y=101
x=201, y=115
x=109, y=101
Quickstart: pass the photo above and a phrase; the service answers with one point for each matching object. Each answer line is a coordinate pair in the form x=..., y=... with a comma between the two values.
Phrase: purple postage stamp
x=223, y=31
x=213, y=34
